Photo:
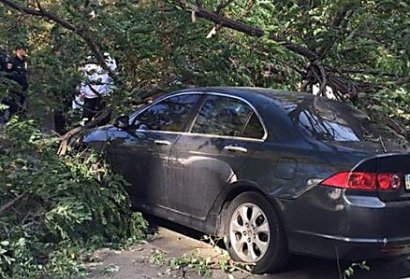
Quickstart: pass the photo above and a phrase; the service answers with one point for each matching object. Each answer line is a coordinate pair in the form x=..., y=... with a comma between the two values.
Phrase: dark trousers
x=16, y=102
x=91, y=107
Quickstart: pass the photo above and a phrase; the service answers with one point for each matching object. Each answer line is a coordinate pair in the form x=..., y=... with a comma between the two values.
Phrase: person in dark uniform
x=16, y=70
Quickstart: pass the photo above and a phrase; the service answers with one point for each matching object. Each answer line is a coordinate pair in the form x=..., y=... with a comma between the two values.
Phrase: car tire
x=253, y=233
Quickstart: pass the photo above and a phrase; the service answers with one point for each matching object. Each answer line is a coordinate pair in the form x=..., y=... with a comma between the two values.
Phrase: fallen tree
x=54, y=210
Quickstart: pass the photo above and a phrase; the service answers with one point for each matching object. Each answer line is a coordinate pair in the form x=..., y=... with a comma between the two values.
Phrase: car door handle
x=162, y=142
x=235, y=148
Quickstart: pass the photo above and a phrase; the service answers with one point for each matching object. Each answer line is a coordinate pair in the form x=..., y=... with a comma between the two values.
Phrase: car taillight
x=389, y=181
x=365, y=181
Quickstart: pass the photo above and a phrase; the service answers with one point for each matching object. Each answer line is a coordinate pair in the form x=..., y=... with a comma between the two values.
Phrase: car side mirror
x=122, y=122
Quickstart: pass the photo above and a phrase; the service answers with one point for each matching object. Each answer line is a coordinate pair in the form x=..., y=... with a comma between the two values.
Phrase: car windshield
x=329, y=120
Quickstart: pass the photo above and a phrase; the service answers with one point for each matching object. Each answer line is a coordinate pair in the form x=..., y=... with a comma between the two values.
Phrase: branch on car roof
x=392, y=123
x=397, y=127
x=40, y=12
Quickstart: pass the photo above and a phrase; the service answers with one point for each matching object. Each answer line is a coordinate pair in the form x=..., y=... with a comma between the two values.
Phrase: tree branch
x=198, y=3
x=363, y=71
x=323, y=82
x=402, y=81
x=339, y=21
x=39, y=13
x=40, y=8
x=95, y=121
x=398, y=81
x=12, y=202
x=247, y=29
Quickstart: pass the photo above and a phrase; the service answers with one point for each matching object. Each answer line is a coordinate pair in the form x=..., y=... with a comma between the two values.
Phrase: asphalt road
x=299, y=267
x=175, y=241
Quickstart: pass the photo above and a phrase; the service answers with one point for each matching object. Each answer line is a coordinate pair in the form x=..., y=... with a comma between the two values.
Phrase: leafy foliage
x=194, y=261
x=349, y=271
x=354, y=47
x=202, y=265
x=53, y=209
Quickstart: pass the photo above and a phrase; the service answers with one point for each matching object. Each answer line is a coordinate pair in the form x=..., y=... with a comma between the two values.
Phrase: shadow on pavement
x=301, y=267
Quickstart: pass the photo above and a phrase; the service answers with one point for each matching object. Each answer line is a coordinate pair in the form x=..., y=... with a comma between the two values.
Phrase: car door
x=143, y=156
x=209, y=157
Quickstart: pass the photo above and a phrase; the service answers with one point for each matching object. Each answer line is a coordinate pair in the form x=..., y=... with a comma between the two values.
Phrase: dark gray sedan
x=272, y=172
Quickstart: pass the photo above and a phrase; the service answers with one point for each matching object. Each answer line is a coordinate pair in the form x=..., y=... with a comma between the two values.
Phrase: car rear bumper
x=346, y=226
x=333, y=247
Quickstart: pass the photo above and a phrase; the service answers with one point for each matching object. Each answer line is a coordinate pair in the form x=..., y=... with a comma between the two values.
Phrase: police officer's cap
x=21, y=46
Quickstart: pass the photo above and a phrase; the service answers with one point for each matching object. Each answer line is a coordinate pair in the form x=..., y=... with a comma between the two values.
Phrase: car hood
x=103, y=133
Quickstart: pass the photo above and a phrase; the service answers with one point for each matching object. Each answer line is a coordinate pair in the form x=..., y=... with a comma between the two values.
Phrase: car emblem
x=407, y=180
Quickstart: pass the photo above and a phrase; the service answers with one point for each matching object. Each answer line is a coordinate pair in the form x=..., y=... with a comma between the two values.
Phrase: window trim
x=195, y=114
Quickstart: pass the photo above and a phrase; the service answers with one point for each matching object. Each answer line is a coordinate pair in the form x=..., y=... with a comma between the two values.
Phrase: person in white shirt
x=96, y=84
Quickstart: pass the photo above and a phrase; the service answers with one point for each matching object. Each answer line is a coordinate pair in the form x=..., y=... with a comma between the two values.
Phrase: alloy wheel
x=249, y=232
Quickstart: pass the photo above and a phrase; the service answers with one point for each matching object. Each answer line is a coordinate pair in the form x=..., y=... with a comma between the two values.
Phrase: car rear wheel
x=254, y=235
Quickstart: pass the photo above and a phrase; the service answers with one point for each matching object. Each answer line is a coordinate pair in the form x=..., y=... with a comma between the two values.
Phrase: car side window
x=171, y=114
x=226, y=116
x=254, y=128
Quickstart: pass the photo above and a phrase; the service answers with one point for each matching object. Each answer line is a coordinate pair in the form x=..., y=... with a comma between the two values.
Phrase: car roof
x=249, y=92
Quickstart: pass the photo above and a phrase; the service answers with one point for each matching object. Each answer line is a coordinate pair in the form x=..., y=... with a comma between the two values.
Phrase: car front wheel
x=254, y=235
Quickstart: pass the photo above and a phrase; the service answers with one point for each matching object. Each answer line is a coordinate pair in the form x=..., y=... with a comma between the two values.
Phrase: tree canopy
x=350, y=47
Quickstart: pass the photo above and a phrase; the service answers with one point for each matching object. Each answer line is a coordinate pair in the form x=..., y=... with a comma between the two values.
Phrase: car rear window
x=329, y=120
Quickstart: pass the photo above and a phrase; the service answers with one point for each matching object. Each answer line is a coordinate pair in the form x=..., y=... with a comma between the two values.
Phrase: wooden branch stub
x=67, y=137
